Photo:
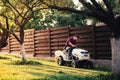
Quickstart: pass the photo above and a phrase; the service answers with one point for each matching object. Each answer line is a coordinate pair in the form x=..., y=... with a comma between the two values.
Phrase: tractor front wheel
x=60, y=61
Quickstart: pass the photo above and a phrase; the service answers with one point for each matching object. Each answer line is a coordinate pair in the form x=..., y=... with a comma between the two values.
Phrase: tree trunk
x=22, y=52
x=115, y=45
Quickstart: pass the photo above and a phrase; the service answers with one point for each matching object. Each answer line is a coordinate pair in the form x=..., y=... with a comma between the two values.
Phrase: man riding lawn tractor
x=72, y=55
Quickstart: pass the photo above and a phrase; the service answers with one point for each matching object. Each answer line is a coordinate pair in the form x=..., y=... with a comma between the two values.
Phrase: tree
x=104, y=14
x=3, y=33
x=22, y=12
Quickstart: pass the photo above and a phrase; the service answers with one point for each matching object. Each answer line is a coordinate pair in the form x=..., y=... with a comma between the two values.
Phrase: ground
x=11, y=68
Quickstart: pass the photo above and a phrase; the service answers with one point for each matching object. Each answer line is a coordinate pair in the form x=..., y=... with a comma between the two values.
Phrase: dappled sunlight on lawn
x=44, y=70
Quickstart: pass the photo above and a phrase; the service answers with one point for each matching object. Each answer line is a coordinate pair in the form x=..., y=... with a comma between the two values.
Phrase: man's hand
x=72, y=44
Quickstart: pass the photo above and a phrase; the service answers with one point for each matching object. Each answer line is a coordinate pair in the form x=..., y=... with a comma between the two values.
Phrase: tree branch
x=100, y=18
x=14, y=8
x=94, y=12
x=26, y=19
x=64, y=8
x=11, y=32
x=7, y=29
x=91, y=7
x=37, y=3
x=110, y=11
x=99, y=8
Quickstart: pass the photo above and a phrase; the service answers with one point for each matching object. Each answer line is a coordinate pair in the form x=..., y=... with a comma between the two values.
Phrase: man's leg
x=70, y=53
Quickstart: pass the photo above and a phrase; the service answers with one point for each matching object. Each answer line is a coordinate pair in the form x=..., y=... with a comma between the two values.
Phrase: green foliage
x=65, y=3
x=34, y=23
x=51, y=18
x=55, y=19
x=116, y=7
x=114, y=4
x=71, y=19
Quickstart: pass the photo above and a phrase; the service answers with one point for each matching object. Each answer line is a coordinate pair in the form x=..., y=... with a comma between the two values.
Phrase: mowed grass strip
x=37, y=69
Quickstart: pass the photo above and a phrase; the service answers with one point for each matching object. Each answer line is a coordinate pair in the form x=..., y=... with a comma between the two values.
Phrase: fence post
x=9, y=43
x=94, y=43
x=50, y=53
x=68, y=30
x=33, y=33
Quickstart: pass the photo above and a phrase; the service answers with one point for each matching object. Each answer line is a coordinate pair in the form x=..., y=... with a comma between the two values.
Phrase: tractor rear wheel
x=75, y=64
x=90, y=64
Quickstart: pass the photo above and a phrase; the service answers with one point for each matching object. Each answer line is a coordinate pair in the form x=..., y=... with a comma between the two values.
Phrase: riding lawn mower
x=80, y=58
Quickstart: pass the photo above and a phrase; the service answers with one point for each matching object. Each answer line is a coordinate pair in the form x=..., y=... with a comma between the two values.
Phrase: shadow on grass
x=63, y=76
x=30, y=62
x=1, y=57
x=95, y=68
x=100, y=68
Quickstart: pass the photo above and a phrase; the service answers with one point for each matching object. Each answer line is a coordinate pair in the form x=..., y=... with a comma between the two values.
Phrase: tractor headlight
x=82, y=52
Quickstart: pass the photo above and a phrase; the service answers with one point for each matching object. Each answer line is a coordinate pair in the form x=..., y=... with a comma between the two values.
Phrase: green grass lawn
x=37, y=69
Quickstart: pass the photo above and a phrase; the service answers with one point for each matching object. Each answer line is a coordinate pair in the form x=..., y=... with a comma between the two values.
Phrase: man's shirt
x=70, y=40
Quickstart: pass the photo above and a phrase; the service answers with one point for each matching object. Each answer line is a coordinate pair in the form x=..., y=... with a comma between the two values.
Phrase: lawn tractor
x=80, y=58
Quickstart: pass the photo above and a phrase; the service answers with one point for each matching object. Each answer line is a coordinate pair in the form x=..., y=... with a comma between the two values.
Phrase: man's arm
x=71, y=44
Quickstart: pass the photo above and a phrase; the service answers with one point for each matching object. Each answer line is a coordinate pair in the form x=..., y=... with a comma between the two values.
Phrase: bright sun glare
x=76, y=2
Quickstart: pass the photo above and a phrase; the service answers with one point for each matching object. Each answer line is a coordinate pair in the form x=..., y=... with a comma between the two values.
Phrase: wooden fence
x=44, y=42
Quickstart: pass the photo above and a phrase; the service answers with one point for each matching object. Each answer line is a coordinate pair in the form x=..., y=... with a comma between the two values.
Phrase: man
x=71, y=44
